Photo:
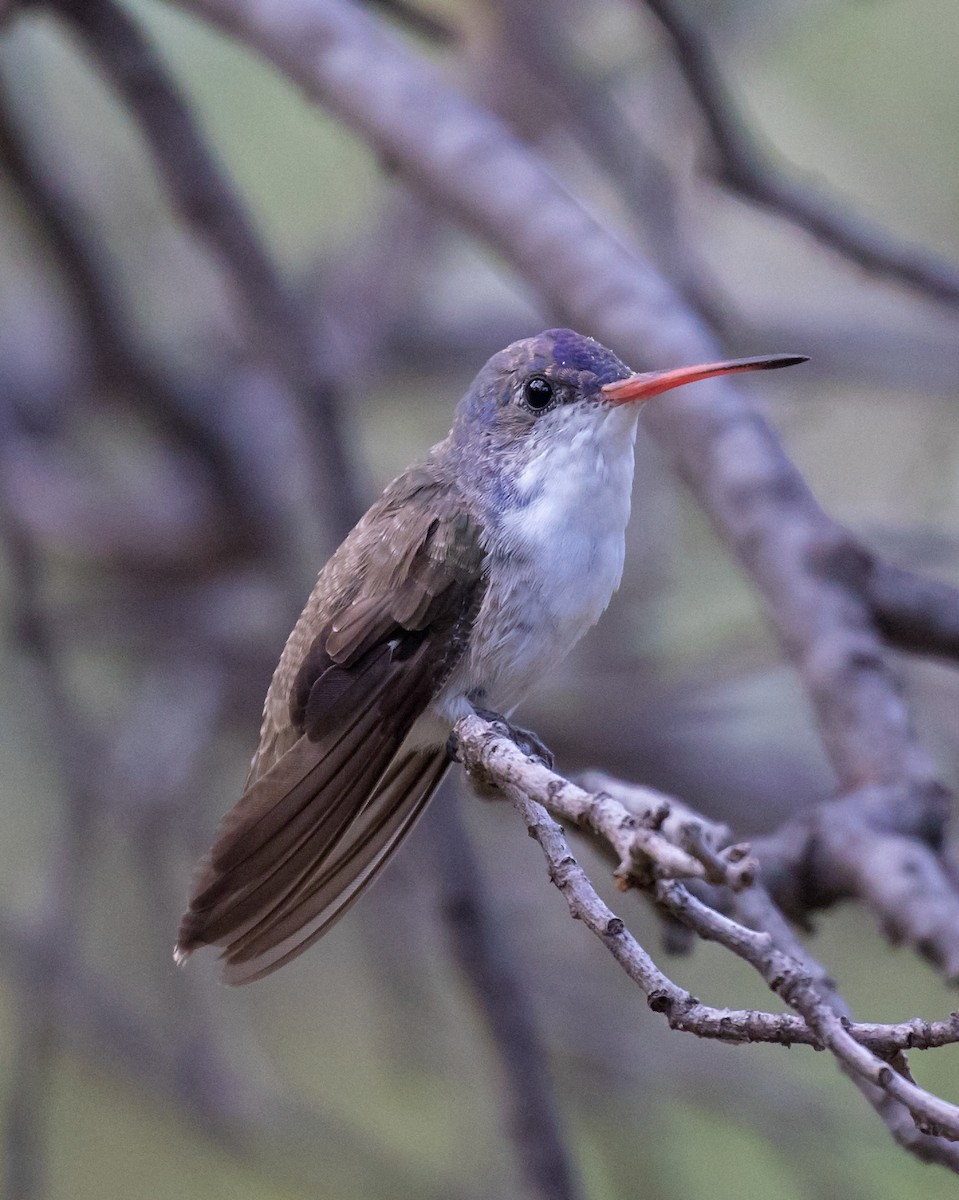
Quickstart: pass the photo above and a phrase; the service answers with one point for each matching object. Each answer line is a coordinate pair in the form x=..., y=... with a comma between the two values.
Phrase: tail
x=289, y=904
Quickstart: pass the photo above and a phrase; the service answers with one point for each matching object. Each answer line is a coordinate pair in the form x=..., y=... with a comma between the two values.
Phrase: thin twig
x=637, y=839
x=743, y=166
x=755, y=909
x=865, y=846
x=491, y=757
x=786, y=978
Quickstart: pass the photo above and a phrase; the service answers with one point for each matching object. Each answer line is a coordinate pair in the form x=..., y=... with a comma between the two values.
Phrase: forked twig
x=872, y=1053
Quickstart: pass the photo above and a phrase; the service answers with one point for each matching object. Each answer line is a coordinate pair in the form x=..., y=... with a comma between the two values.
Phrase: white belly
x=554, y=562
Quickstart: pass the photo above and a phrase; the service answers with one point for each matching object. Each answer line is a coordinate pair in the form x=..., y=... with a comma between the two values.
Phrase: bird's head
x=556, y=388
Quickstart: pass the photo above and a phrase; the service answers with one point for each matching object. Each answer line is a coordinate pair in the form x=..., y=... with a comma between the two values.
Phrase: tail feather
x=263, y=881
x=356, y=860
x=290, y=817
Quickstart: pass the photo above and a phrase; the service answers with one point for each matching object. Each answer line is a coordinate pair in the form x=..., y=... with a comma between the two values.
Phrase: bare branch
x=865, y=846
x=742, y=166
x=538, y=793
x=873, y=846
x=646, y=838
x=676, y=821
x=755, y=909
x=787, y=979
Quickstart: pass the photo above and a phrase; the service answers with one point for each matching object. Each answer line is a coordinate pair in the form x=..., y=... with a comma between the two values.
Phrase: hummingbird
x=474, y=573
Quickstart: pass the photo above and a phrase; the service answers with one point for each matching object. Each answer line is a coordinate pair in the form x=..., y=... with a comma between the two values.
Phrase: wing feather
x=329, y=798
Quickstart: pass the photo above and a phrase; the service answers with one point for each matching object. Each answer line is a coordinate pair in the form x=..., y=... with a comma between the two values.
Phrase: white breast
x=555, y=559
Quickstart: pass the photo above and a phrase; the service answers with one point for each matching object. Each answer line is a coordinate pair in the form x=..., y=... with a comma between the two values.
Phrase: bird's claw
x=525, y=740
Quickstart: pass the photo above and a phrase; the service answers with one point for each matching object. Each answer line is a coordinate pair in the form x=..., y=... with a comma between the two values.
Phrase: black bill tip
x=772, y=362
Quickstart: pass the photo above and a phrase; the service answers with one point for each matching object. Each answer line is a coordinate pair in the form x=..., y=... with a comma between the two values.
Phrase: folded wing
x=333, y=791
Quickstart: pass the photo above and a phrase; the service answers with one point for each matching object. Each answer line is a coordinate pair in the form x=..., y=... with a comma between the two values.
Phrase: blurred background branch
x=225, y=323
x=741, y=165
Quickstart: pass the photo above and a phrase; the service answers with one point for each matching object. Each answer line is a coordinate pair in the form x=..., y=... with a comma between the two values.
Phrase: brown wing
x=326, y=804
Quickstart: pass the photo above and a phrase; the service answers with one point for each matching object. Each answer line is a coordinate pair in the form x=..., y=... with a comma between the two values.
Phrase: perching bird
x=473, y=574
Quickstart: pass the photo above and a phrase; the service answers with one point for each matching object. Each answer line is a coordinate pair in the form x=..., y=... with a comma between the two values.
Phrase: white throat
x=555, y=558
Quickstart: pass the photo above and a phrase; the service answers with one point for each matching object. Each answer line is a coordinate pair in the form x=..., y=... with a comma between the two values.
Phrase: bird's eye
x=538, y=393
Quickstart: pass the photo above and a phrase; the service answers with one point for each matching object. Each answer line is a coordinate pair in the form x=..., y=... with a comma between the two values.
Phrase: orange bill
x=651, y=383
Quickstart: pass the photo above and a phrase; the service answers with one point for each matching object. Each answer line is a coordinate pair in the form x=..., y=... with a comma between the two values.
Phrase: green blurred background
x=364, y=1070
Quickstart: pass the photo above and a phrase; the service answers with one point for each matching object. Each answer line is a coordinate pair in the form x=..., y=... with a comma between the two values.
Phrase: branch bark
x=871, y=1055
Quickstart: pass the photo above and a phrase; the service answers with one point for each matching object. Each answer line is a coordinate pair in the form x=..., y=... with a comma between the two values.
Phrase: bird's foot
x=523, y=739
